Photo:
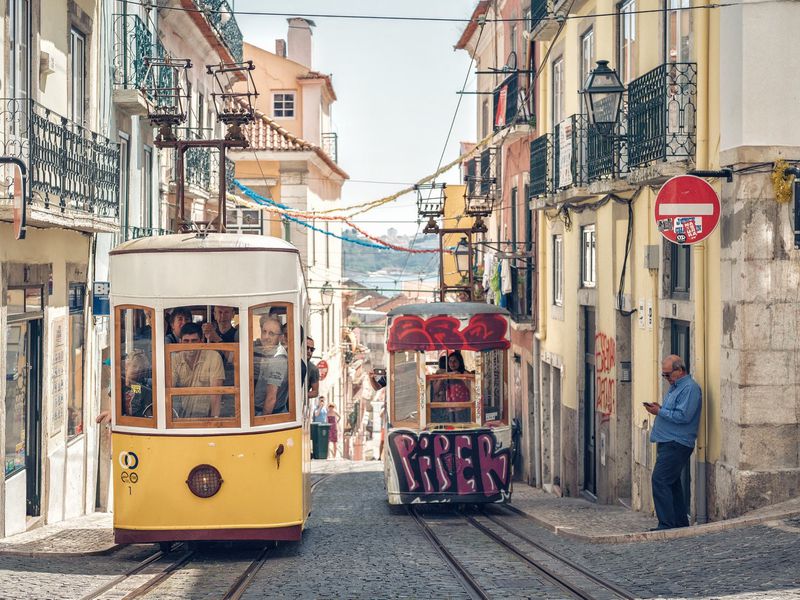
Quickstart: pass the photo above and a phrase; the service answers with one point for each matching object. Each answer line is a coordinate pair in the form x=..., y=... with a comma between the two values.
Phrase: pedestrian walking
x=674, y=433
x=333, y=433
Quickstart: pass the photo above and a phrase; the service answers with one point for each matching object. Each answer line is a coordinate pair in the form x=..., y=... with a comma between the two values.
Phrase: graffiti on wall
x=605, y=365
x=485, y=331
x=450, y=466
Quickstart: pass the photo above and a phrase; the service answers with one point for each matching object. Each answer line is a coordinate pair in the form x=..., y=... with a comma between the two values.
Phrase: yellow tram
x=209, y=429
x=448, y=436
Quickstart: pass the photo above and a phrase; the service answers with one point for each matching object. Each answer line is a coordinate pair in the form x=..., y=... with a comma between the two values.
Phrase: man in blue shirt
x=674, y=433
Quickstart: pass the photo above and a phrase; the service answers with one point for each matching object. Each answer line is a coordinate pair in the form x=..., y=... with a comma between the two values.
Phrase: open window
x=493, y=389
x=135, y=383
x=405, y=393
x=272, y=395
x=450, y=389
x=202, y=369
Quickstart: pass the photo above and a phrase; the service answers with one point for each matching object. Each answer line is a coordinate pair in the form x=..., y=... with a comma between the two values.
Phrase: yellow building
x=615, y=296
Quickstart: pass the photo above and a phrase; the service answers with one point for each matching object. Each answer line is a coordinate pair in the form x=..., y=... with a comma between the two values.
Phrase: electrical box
x=651, y=257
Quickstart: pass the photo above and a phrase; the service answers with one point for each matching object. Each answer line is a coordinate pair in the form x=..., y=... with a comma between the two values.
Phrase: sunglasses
x=310, y=348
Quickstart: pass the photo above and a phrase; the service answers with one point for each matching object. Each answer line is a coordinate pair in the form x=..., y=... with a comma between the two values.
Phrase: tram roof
x=447, y=308
x=191, y=242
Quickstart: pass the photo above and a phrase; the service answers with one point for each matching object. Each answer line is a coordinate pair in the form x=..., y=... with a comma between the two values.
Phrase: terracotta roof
x=265, y=134
x=318, y=75
x=480, y=9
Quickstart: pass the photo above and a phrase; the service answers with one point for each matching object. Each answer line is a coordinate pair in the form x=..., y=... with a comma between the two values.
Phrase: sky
x=396, y=84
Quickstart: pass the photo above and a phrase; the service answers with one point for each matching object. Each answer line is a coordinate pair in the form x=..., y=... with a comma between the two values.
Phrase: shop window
x=202, y=366
x=271, y=339
x=493, y=390
x=405, y=395
x=77, y=325
x=135, y=378
x=16, y=398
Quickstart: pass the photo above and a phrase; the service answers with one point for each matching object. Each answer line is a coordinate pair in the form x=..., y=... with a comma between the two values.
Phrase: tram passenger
x=453, y=390
x=222, y=329
x=196, y=368
x=179, y=317
x=271, y=385
x=313, y=371
x=137, y=390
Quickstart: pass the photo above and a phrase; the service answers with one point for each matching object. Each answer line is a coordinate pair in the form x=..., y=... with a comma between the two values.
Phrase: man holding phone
x=674, y=433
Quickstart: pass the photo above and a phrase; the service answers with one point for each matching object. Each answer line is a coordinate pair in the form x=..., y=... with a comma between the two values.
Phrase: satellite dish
x=511, y=62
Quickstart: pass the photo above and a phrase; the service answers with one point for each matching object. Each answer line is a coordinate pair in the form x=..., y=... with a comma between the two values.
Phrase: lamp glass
x=461, y=254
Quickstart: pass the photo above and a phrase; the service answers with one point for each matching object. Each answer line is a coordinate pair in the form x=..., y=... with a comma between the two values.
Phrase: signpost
x=323, y=369
x=687, y=209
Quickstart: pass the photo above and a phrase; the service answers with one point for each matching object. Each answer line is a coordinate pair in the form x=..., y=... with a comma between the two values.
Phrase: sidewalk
x=88, y=535
x=587, y=521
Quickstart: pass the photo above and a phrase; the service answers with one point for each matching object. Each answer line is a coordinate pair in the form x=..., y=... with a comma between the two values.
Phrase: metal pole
x=180, y=148
x=222, y=188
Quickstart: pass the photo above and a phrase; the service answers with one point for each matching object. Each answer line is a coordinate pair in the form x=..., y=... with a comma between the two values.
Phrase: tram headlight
x=204, y=481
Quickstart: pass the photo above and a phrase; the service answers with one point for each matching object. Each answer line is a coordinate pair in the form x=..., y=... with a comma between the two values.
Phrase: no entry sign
x=687, y=209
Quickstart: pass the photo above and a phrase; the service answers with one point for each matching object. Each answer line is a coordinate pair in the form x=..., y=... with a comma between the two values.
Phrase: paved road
x=356, y=547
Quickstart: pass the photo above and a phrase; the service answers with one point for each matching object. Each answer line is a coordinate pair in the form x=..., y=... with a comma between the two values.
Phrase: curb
x=41, y=554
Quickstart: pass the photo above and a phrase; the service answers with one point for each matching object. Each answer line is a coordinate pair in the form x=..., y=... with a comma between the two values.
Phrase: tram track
x=558, y=572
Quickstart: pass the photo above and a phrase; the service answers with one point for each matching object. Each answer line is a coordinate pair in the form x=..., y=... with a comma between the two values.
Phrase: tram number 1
x=129, y=478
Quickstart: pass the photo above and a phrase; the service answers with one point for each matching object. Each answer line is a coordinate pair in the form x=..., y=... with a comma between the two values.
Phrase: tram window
x=202, y=358
x=494, y=389
x=135, y=378
x=272, y=360
x=450, y=390
x=405, y=394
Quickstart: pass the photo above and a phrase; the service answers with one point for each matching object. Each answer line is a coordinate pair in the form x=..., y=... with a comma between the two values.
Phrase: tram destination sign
x=687, y=209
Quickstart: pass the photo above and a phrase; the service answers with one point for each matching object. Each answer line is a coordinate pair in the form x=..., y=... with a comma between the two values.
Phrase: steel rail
x=622, y=593
x=158, y=579
x=320, y=480
x=244, y=580
x=129, y=573
x=464, y=577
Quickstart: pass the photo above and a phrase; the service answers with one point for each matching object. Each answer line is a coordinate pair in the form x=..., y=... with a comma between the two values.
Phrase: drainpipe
x=699, y=263
x=537, y=416
x=538, y=337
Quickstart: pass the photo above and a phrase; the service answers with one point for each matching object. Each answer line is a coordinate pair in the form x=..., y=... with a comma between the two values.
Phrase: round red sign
x=323, y=369
x=687, y=209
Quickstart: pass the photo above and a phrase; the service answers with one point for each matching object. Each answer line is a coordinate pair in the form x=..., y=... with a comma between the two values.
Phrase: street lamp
x=326, y=294
x=602, y=94
x=461, y=254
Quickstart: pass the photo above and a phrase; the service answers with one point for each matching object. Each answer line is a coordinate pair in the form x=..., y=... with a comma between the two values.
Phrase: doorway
x=589, y=421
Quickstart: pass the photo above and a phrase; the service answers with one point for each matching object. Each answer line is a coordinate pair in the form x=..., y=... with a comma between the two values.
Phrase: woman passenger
x=137, y=393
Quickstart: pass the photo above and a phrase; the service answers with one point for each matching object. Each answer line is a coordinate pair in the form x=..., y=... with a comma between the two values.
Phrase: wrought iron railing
x=197, y=164
x=132, y=233
x=221, y=17
x=330, y=144
x=661, y=117
x=569, y=152
x=230, y=174
x=540, y=182
x=70, y=167
x=539, y=10
x=521, y=278
x=133, y=42
x=608, y=154
x=507, y=108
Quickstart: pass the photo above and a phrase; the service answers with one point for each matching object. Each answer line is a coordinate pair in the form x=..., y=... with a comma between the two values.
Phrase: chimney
x=299, y=38
x=280, y=48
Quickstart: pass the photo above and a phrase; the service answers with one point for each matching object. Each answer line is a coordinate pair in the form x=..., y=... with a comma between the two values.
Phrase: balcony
x=661, y=115
x=132, y=233
x=544, y=20
x=540, y=180
x=507, y=110
x=607, y=155
x=330, y=145
x=220, y=16
x=570, y=139
x=73, y=172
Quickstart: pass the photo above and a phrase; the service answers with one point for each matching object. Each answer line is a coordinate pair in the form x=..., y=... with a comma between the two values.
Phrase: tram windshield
x=201, y=351
x=135, y=378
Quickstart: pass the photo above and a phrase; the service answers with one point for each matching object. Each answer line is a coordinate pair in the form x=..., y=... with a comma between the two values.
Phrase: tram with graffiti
x=448, y=436
x=208, y=431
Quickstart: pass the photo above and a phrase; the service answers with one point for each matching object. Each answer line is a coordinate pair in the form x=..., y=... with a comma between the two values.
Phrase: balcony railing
x=70, y=167
x=133, y=42
x=539, y=10
x=569, y=153
x=220, y=16
x=540, y=181
x=132, y=233
x=330, y=144
x=661, y=118
x=521, y=293
x=506, y=103
x=607, y=155
x=197, y=165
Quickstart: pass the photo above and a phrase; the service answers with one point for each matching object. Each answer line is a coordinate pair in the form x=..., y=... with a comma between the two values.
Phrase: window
x=405, y=397
x=558, y=91
x=681, y=341
x=78, y=88
x=19, y=38
x=678, y=37
x=588, y=256
x=558, y=270
x=201, y=116
x=283, y=105
x=450, y=388
x=190, y=102
x=244, y=220
x=124, y=180
x=271, y=339
x=201, y=351
x=77, y=294
x=147, y=188
x=513, y=44
x=680, y=269
x=587, y=57
x=628, y=45
x=485, y=124
x=134, y=376
x=493, y=392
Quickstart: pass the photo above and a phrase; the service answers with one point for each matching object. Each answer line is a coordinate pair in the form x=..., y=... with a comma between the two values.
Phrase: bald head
x=673, y=362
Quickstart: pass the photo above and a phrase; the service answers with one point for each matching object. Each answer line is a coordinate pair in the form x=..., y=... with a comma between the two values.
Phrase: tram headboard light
x=204, y=481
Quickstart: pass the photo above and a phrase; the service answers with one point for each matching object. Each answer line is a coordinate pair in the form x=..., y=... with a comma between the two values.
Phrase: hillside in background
x=361, y=263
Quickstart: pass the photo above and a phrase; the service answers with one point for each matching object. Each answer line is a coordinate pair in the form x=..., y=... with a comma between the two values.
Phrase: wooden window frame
x=218, y=422
x=504, y=420
x=291, y=415
x=429, y=405
x=406, y=423
x=127, y=420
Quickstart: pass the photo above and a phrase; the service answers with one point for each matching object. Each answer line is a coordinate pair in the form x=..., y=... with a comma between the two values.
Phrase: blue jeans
x=671, y=511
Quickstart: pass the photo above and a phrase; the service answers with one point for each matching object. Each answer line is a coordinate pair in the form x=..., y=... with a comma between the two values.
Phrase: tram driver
x=196, y=368
x=271, y=384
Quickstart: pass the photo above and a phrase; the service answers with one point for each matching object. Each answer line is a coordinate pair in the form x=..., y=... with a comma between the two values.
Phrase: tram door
x=23, y=406
x=589, y=422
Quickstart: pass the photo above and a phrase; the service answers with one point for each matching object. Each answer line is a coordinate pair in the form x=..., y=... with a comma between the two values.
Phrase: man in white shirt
x=196, y=369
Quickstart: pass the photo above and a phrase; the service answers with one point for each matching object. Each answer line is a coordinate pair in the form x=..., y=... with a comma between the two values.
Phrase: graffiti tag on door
x=605, y=364
x=450, y=466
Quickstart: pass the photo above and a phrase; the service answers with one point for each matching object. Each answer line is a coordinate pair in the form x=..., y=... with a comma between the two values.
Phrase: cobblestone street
x=356, y=547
